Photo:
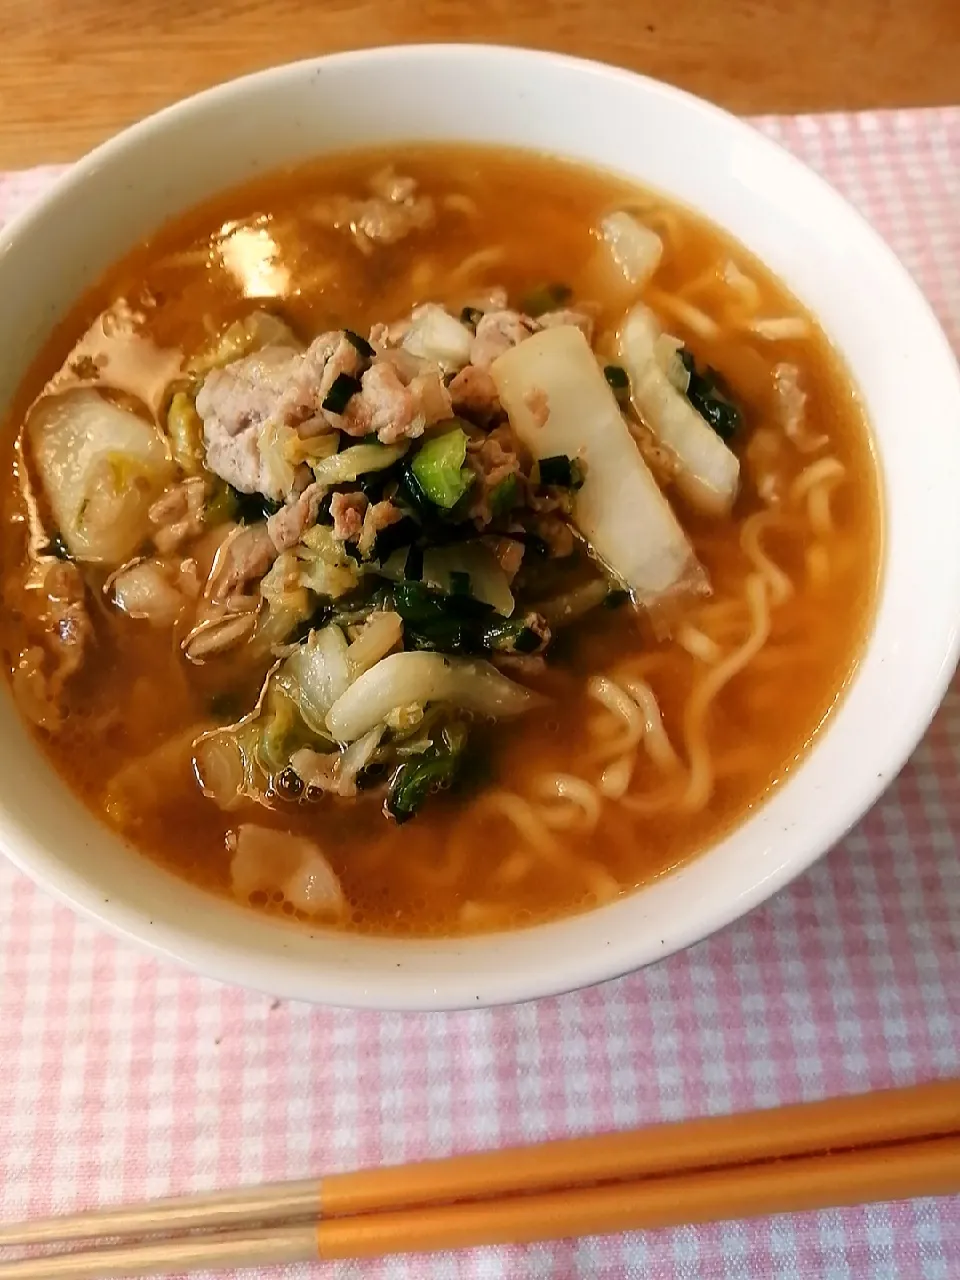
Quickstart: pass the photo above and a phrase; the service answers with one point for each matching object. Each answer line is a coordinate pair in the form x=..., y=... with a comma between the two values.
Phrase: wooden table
x=74, y=71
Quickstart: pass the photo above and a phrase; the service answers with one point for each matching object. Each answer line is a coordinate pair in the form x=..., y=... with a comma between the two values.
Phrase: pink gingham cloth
x=122, y=1077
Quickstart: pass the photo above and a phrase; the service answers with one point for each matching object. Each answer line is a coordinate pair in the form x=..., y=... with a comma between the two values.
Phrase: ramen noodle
x=434, y=540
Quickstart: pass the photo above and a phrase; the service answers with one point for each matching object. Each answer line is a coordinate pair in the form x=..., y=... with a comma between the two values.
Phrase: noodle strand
x=700, y=781
x=778, y=583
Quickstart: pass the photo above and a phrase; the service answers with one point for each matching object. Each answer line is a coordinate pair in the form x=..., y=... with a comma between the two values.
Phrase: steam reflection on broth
x=454, y=485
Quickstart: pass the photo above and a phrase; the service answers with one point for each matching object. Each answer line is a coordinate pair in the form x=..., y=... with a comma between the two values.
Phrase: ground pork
x=288, y=525
x=474, y=394
x=234, y=403
x=393, y=211
x=54, y=603
x=177, y=516
x=578, y=319
x=348, y=510
x=392, y=408
x=276, y=385
x=497, y=332
x=244, y=557
x=492, y=458
x=380, y=515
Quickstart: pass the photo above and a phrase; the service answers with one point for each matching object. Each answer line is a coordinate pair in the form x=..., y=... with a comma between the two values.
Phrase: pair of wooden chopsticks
x=889, y=1145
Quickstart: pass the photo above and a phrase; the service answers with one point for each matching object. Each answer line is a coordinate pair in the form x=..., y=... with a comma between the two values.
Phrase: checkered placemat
x=122, y=1077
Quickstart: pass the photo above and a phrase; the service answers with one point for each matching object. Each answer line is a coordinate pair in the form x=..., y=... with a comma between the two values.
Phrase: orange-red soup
x=559, y=809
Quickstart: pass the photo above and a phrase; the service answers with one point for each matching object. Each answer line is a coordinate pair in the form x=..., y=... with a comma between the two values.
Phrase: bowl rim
x=213, y=959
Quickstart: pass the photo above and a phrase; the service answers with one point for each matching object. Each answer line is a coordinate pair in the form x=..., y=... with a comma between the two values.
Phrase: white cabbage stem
x=102, y=468
x=405, y=679
x=559, y=402
x=708, y=472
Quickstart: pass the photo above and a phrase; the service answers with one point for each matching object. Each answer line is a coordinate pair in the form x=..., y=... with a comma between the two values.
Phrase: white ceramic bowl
x=797, y=224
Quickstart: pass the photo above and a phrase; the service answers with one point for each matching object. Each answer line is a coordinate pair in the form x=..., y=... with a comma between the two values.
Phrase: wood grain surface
x=74, y=71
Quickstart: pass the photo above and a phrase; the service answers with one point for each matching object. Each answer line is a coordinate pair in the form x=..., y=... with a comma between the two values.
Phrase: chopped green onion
x=413, y=566
x=421, y=605
x=511, y=635
x=547, y=297
x=436, y=769
x=536, y=545
x=618, y=379
x=319, y=618
x=58, y=547
x=248, y=508
x=338, y=397
x=440, y=622
x=410, y=493
x=288, y=784
x=707, y=393
x=373, y=483
x=503, y=496
x=526, y=641
x=399, y=534
x=361, y=345
x=323, y=510
x=439, y=469
x=561, y=471
x=372, y=775
x=454, y=623
x=615, y=598
x=222, y=505
x=459, y=583
x=226, y=704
